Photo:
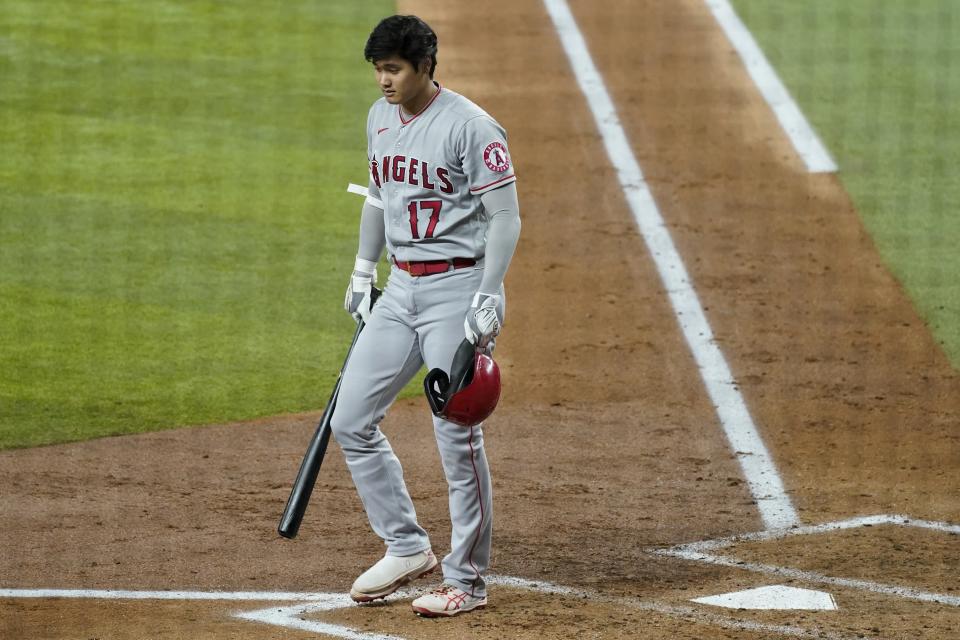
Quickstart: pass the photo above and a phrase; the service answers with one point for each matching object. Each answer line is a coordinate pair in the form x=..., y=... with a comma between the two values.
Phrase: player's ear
x=423, y=68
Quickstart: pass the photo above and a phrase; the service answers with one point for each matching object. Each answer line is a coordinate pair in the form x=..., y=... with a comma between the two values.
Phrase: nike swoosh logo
x=379, y=131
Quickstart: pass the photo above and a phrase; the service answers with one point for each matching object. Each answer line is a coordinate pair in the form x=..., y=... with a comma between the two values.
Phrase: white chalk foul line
x=699, y=552
x=791, y=118
x=765, y=484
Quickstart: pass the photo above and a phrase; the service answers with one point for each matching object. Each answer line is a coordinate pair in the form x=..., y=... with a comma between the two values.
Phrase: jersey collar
x=425, y=107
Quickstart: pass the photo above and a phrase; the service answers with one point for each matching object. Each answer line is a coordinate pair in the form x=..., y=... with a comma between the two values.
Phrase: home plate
x=774, y=597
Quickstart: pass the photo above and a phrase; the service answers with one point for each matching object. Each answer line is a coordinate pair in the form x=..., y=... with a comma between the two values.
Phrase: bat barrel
x=306, y=479
x=310, y=467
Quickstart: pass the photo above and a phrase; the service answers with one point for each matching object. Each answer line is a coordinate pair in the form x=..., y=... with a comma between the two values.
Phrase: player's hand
x=357, y=301
x=482, y=323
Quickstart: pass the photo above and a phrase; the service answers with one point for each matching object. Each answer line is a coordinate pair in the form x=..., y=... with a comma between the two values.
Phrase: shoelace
x=455, y=597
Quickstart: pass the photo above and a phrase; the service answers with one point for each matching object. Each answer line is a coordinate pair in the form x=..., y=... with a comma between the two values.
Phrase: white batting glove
x=357, y=300
x=482, y=323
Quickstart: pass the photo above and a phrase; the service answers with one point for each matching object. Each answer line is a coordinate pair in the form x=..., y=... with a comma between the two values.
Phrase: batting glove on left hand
x=482, y=323
x=357, y=301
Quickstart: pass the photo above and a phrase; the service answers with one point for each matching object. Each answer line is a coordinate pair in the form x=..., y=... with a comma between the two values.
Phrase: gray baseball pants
x=418, y=320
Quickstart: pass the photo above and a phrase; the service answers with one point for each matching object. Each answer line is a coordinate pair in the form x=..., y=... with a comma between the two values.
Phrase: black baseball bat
x=316, y=450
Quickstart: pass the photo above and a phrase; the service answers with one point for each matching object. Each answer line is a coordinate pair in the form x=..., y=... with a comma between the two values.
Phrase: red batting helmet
x=470, y=393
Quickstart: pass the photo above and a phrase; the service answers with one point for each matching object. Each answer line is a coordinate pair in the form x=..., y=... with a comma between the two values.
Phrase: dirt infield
x=606, y=444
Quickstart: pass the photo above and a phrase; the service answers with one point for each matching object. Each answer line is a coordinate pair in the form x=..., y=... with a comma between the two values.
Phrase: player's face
x=400, y=81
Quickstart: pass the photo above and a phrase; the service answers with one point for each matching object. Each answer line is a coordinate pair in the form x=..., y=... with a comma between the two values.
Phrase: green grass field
x=880, y=81
x=174, y=232
x=175, y=235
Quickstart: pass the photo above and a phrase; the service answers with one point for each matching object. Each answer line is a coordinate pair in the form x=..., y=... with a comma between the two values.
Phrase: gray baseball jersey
x=429, y=171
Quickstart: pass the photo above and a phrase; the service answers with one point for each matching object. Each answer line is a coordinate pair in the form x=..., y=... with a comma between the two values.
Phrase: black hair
x=408, y=37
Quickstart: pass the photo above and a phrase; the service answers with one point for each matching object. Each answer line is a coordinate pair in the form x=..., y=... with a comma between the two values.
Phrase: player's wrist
x=366, y=267
x=479, y=297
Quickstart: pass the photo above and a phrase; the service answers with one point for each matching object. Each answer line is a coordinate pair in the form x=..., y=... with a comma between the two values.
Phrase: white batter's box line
x=700, y=552
x=120, y=594
x=292, y=617
x=851, y=523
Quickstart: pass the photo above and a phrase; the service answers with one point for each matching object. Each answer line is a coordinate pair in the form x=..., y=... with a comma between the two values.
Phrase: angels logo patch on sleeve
x=496, y=158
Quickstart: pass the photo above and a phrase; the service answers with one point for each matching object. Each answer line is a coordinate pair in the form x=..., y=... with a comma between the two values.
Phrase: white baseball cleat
x=447, y=600
x=390, y=573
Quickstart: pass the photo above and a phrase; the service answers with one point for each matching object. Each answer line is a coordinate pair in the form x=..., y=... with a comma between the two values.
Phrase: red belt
x=432, y=267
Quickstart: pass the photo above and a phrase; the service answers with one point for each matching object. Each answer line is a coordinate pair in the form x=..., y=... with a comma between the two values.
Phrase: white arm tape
x=368, y=267
x=362, y=191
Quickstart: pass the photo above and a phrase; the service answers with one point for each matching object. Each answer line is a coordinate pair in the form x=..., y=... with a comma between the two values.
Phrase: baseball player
x=444, y=204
